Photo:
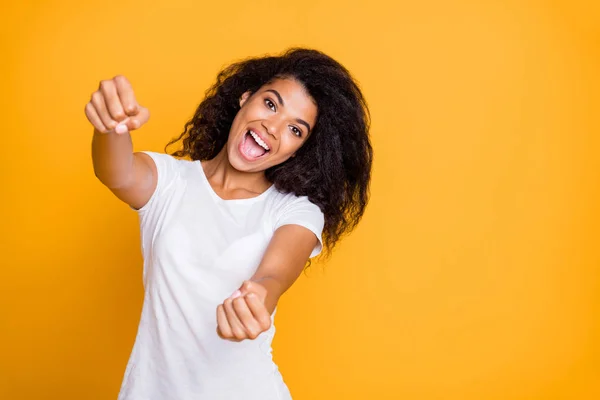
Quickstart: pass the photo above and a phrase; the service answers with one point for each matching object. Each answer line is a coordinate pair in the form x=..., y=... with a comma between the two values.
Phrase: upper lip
x=262, y=135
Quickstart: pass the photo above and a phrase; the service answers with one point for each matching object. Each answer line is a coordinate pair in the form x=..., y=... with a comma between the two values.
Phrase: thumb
x=243, y=290
x=254, y=287
x=133, y=122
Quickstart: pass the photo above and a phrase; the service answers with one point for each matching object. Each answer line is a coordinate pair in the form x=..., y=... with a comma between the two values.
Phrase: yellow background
x=475, y=272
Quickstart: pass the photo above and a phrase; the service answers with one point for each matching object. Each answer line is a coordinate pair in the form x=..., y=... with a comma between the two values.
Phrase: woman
x=274, y=166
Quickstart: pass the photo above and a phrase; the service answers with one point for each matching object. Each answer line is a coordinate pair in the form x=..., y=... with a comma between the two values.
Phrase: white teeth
x=260, y=142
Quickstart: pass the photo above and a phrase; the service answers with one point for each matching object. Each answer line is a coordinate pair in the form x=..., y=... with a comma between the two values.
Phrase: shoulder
x=284, y=202
x=161, y=158
x=166, y=164
x=290, y=208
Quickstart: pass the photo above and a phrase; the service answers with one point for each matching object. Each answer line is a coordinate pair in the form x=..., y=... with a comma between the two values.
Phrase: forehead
x=294, y=95
x=289, y=89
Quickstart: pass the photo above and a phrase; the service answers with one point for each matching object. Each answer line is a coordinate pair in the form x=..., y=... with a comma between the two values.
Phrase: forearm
x=275, y=288
x=112, y=156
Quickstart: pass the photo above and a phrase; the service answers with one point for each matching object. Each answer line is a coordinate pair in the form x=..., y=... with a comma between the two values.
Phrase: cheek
x=289, y=145
x=239, y=118
x=234, y=127
x=250, y=112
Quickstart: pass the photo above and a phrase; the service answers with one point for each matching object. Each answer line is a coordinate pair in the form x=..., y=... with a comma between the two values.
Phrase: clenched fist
x=244, y=315
x=113, y=107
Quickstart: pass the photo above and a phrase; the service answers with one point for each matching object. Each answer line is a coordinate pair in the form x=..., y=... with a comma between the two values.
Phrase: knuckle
x=140, y=112
x=265, y=323
x=118, y=114
x=238, y=301
x=96, y=96
x=242, y=300
x=225, y=334
x=239, y=334
x=237, y=305
x=119, y=78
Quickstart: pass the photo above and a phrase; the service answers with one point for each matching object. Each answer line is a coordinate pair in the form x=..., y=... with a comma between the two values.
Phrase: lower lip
x=244, y=156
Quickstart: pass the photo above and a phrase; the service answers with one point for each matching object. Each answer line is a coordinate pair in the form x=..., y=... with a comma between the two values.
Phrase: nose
x=273, y=126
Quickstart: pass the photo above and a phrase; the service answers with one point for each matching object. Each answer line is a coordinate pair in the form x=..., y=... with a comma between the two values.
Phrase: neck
x=222, y=175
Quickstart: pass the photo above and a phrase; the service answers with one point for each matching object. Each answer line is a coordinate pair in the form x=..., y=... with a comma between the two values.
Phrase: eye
x=296, y=131
x=270, y=104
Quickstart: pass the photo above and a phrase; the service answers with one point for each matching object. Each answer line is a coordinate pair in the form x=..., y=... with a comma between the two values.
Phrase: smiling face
x=271, y=125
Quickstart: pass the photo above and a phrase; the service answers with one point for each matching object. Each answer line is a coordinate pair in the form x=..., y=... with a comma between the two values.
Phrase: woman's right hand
x=113, y=107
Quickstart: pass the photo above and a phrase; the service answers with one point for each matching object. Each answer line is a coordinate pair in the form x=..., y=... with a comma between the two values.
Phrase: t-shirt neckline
x=222, y=200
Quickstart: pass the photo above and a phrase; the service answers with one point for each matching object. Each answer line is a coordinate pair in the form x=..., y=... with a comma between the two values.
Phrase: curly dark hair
x=333, y=167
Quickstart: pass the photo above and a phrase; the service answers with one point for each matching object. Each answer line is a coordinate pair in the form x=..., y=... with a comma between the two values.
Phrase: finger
x=139, y=119
x=98, y=103
x=246, y=287
x=126, y=95
x=223, y=327
x=133, y=123
x=259, y=311
x=112, y=101
x=92, y=116
x=236, y=326
x=245, y=316
x=254, y=287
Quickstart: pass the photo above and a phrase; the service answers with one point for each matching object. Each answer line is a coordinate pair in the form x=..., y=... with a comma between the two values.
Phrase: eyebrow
x=280, y=99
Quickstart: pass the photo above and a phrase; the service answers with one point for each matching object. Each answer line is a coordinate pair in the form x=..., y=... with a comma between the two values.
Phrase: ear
x=244, y=97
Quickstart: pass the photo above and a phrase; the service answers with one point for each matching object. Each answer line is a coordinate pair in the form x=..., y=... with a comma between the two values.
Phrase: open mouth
x=253, y=147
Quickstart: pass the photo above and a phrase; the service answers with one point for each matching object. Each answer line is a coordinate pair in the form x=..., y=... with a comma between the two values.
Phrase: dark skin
x=249, y=313
x=283, y=115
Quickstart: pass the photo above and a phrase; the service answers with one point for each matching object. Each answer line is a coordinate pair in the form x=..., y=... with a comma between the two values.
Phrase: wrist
x=273, y=288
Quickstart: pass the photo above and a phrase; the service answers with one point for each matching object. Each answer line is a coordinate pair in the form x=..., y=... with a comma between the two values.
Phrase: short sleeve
x=167, y=168
x=301, y=211
x=153, y=214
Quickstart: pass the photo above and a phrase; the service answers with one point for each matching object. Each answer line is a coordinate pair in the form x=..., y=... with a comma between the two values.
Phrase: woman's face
x=271, y=125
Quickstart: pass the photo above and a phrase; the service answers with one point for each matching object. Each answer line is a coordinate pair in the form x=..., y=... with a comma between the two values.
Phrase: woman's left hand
x=244, y=315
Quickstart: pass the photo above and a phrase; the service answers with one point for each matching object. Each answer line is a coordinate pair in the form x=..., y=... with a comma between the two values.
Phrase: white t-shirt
x=198, y=249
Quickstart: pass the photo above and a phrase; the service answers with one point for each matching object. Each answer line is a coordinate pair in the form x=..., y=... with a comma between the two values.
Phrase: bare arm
x=114, y=112
x=247, y=312
x=283, y=261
